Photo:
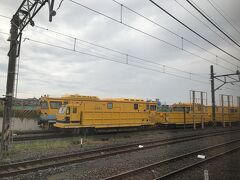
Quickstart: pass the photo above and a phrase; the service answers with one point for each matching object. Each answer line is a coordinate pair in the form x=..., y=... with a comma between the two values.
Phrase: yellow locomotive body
x=49, y=107
x=106, y=113
x=182, y=113
x=225, y=114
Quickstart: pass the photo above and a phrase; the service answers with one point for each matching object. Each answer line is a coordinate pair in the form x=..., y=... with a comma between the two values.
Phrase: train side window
x=74, y=110
x=110, y=105
x=135, y=106
x=152, y=107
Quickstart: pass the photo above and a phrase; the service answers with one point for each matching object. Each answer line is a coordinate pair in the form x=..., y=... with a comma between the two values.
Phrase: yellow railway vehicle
x=183, y=114
x=79, y=112
x=49, y=107
x=106, y=113
x=225, y=114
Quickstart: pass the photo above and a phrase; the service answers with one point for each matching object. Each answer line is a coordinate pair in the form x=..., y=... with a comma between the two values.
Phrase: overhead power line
x=181, y=48
x=223, y=14
x=120, y=52
x=193, y=31
x=216, y=26
x=126, y=54
x=113, y=60
x=170, y=31
x=5, y=17
x=152, y=36
x=164, y=67
x=207, y=26
x=183, y=38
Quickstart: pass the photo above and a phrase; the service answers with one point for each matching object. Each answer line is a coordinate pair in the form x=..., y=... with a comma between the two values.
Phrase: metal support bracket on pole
x=225, y=79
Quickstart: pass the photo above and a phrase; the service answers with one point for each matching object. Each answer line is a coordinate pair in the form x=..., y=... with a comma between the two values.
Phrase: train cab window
x=55, y=104
x=74, y=110
x=44, y=105
x=110, y=105
x=153, y=107
x=62, y=110
x=135, y=106
x=68, y=111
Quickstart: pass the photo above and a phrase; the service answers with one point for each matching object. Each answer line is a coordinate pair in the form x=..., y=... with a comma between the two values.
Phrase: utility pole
x=6, y=128
x=213, y=96
x=24, y=16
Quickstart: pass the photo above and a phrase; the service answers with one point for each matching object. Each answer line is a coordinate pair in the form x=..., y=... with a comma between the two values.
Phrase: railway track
x=79, y=157
x=40, y=136
x=37, y=136
x=170, y=167
x=51, y=135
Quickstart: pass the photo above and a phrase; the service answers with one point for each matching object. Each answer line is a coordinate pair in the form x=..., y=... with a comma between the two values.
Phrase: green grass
x=41, y=146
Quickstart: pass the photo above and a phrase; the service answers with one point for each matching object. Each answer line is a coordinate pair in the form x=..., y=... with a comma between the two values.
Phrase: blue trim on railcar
x=47, y=118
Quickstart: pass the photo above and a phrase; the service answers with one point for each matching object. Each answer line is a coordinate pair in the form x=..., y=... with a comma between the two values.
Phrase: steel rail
x=179, y=157
x=199, y=163
x=79, y=157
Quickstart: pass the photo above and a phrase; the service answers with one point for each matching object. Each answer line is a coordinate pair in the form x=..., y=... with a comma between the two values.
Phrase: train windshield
x=62, y=110
x=55, y=104
x=44, y=105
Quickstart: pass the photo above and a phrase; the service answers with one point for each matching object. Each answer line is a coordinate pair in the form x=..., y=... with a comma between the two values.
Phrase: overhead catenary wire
x=214, y=24
x=4, y=16
x=223, y=14
x=121, y=53
x=108, y=59
x=199, y=35
x=166, y=73
x=181, y=48
x=187, y=72
x=202, y=22
x=165, y=67
x=174, y=33
x=152, y=36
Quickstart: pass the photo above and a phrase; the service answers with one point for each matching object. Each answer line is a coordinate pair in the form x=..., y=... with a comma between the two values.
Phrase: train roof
x=81, y=97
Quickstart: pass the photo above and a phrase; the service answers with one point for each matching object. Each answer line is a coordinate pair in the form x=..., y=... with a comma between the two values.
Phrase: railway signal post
x=24, y=16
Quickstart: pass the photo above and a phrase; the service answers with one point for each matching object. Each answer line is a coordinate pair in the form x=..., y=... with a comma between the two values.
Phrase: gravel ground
x=101, y=168
x=28, y=150
x=226, y=168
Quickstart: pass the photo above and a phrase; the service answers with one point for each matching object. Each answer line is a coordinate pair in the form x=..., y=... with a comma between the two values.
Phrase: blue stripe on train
x=50, y=117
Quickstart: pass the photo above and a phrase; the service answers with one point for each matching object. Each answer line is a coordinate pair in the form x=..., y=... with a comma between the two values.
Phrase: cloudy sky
x=165, y=71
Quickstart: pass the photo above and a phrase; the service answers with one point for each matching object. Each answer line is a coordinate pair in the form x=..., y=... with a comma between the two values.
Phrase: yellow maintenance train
x=94, y=113
x=49, y=107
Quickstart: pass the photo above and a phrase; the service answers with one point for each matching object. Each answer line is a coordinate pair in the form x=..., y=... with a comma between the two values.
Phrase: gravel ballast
x=101, y=168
